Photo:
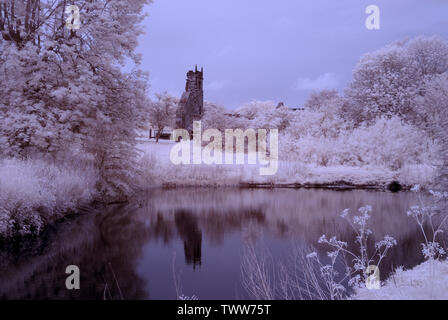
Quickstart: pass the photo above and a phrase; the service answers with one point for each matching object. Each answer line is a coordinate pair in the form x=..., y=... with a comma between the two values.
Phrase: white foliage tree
x=162, y=113
x=324, y=99
x=63, y=91
x=215, y=117
x=432, y=116
x=387, y=82
x=264, y=114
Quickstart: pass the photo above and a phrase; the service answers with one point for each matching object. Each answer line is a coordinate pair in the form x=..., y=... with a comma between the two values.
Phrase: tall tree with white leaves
x=432, y=115
x=162, y=113
x=387, y=82
x=64, y=92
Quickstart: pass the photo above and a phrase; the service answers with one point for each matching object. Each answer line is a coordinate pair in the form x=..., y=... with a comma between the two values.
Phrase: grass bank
x=35, y=193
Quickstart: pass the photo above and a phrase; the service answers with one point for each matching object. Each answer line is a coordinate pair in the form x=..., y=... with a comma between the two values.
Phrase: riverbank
x=36, y=193
x=159, y=171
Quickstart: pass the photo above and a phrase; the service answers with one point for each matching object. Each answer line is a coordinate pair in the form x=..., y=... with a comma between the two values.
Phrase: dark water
x=195, y=236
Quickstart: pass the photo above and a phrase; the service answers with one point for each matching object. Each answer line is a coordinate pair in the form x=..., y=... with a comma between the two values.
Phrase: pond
x=192, y=240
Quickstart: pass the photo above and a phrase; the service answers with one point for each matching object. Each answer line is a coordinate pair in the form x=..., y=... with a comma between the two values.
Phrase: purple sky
x=273, y=50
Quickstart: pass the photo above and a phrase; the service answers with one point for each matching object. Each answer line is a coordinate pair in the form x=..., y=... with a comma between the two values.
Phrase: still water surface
x=195, y=238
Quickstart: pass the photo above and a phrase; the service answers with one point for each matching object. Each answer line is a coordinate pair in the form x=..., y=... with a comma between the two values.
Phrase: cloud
x=328, y=80
x=215, y=85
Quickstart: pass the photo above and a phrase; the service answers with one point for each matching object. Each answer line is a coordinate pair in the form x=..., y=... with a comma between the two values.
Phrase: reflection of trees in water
x=190, y=227
x=306, y=214
x=107, y=246
x=104, y=246
x=216, y=225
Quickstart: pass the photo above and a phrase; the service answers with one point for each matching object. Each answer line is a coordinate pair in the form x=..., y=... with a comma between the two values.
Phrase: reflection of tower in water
x=189, y=232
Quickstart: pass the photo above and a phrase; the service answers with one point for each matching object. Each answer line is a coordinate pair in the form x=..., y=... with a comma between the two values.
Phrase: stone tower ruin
x=191, y=104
